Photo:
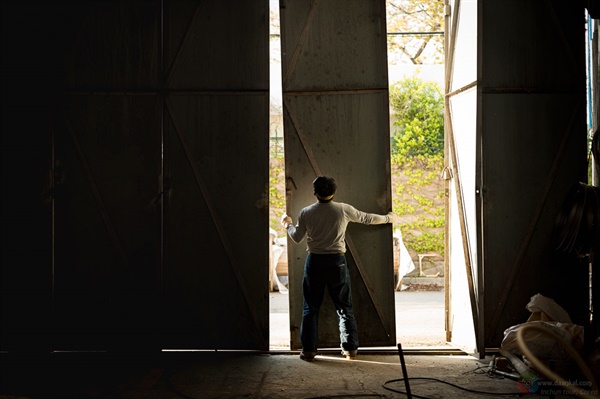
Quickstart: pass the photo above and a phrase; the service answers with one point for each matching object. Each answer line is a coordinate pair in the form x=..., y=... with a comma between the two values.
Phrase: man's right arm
x=297, y=232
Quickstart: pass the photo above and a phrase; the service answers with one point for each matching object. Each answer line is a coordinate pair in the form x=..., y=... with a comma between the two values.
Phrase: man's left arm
x=369, y=218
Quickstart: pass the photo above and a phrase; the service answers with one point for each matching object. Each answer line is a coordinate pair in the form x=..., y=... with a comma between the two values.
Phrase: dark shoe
x=307, y=357
x=350, y=355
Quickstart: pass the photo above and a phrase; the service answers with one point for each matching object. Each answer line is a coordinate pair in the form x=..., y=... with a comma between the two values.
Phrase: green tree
x=419, y=112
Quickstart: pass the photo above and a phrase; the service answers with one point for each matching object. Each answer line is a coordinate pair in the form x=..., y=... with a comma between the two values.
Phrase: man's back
x=325, y=225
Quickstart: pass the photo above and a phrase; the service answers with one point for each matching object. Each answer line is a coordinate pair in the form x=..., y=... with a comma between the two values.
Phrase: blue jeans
x=329, y=271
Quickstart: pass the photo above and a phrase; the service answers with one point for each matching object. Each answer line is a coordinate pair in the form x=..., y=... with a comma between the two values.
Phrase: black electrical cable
x=410, y=395
x=488, y=371
x=450, y=384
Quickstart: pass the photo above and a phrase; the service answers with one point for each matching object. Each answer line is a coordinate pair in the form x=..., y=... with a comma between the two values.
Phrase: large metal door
x=161, y=177
x=533, y=147
x=336, y=115
x=216, y=175
x=515, y=135
x=106, y=177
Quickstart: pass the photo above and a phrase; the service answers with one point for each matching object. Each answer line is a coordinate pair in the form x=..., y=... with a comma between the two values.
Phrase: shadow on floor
x=195, y=375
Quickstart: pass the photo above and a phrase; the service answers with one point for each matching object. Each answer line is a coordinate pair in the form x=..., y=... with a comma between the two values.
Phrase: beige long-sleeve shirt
x=325, y=224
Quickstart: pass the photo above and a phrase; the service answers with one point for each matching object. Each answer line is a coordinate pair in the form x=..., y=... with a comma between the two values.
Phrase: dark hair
x=324, y=187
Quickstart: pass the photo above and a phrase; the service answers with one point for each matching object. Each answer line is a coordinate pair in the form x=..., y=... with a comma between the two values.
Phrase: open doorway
x=279, y=322
x=417, y=191
x=415, y=49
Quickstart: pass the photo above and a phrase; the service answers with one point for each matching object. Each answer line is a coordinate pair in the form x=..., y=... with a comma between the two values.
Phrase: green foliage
x=422, y=214
x=400, y=189
x=276, y=199
x=430, y=223
x=426, y=242
x=402, y=208
x=419, y=109
x=423, y=201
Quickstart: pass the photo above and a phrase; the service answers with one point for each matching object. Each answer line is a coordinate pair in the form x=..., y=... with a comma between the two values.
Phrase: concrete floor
x=195, y=375
x=275, y=374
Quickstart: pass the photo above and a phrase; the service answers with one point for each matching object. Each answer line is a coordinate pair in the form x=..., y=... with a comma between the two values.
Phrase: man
x=324, y=224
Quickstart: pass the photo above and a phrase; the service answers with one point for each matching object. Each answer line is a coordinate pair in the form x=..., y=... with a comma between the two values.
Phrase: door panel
x=107, y=165
x=336, y=120
x=540, y=120
x=215, y=278
x=216, y=175
x=107, y=224
x=514, y=152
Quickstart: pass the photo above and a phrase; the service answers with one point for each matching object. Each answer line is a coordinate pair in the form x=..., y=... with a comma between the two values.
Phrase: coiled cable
x=543, y=369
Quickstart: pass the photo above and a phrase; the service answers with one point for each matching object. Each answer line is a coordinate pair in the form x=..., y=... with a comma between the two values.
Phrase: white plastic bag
x=544, y=308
